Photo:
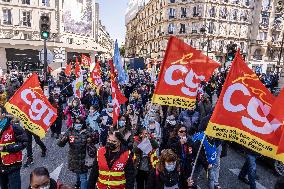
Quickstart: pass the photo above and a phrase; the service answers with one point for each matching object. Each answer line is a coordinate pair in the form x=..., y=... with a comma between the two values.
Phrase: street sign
x=49, y=56
x=59, y=54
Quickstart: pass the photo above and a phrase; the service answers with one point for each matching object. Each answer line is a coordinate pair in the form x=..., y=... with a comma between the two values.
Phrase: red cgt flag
x=31, y=106
x=242, y=113
x=277, y=111
x=117, y=97
x=95, y=77
x=117, y=100
x=68, y=69
x=86, y=61
x=182, y=71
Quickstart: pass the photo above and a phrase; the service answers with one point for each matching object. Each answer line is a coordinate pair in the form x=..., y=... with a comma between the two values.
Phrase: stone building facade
x=225, y=21
x=20, y=41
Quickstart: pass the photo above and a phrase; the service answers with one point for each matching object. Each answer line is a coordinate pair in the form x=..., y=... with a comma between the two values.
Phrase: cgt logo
x=251, y=107
x=190, y=82
x=119, y=167
x=8, y=137
x=37, y=107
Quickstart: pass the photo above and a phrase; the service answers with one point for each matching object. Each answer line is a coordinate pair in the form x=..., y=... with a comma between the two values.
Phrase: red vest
x=113, y=178
x=7, y=138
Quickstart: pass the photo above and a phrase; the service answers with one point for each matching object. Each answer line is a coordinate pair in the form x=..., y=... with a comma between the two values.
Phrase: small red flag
x=68, y=69
x=77, y=68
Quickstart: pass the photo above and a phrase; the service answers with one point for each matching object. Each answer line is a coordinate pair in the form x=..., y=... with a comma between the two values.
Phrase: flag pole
x=197, y=156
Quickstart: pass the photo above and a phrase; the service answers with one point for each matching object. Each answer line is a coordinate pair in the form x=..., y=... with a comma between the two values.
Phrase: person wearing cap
x=113, y=167
x=13, y=140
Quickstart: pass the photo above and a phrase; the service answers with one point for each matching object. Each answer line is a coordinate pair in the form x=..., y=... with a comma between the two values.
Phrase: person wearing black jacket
x=114, y=157
x=13, y=140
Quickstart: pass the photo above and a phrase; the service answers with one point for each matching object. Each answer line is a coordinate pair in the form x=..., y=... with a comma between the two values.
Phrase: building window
x=7, y=17
x=183, y=12
x=234, y=15
x=26, y=2
x=172, y=13
x=262, y=36
x=171, y=28
x=196, y=11
x=26, y=18
x=244, y=15
x=247, y=2
x=223, y=12
x=7, y=1
x=235, y=1
x=257, y=54
x=172, y=1
x=194, y=28
x=265, y=19
x=182, y=28
x=211, y=28
x=45, y=3
x=212, y=12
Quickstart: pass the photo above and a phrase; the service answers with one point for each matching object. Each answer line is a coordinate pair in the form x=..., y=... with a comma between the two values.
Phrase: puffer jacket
x=19, y=145
x=77, y=149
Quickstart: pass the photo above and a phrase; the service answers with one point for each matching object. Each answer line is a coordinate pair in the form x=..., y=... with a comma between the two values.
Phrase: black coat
x=128, y=169
x=77, y=149
x=19, y=145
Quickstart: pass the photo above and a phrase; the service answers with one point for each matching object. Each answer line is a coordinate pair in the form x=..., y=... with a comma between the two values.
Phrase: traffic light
x=231, y=52
x=44, y=25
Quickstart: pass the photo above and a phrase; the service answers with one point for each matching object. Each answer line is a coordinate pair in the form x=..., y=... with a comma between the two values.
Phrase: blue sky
x=112, y=13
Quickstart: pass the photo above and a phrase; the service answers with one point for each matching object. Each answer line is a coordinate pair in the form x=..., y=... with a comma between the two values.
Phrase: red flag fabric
x=32, y=107
x=49, y=69
x=277, y=111
x=242, y=113
x=77, y=68
x=95, y=77
x=68, y=69
x=86, y=61
x=182, y=71
x=117, y=96
x=117, y=100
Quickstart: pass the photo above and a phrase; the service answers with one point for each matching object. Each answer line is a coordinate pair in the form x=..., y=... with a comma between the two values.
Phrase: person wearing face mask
x=73, y=110
x=167, y=174
x=142, y=159
x=11, y=151
x=40, y=179
x=91, y=98
x=106, y=122
x=77, y=137
x=180, y=143
x=57, y=103
x=154, y=129
x=113, y=167
x=124, y=127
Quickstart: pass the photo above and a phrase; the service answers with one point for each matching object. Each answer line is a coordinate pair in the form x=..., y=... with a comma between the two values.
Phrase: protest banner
x=95, y=79
x=86, y=61
x=242, y=113
x=182, y=71
x=30, y=105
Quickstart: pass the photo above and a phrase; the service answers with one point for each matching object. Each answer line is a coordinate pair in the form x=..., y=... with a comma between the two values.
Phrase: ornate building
x=73, y=31
x=208, y=25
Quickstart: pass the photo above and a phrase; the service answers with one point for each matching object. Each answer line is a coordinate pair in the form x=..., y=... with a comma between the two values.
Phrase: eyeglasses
x=182, y=131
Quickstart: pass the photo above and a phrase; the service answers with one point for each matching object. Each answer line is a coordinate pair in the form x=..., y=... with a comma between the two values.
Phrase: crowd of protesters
x=151, y=146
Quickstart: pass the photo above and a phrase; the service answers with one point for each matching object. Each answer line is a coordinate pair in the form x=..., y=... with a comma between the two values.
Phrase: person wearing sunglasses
x=180, y=143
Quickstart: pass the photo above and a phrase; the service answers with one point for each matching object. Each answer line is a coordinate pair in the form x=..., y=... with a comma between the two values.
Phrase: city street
x=56, y=162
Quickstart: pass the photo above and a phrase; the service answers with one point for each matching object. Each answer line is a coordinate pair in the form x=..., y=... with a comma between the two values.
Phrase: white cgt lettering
x=191, y=88
x=37, y=107
x=252, y=107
